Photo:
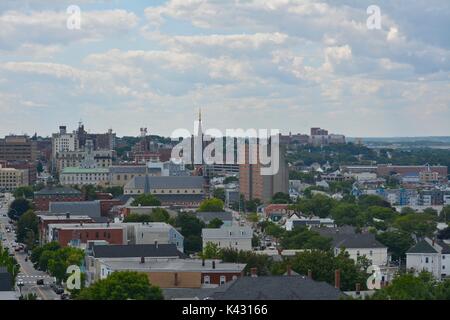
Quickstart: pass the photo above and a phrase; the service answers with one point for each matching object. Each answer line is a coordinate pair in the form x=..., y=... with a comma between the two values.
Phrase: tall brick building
x=254, y=185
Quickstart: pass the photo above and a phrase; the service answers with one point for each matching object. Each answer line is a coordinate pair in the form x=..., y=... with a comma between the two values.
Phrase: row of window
x=222, y=280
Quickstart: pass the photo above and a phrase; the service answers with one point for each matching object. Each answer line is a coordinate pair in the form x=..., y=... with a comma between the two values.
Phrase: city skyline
x=287, y=65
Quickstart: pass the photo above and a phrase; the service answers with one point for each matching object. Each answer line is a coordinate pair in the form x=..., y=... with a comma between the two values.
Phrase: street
x=28, y=275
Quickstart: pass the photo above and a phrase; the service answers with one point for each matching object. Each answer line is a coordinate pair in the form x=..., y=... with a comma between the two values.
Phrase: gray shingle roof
x=136, y=250
x=366, y=240
x=206, y=217
x=57, y=191
x=86, y=208
x=278, y=288
x=171, y=182
x=345, y=237
x=127, y=169
x=422, y=247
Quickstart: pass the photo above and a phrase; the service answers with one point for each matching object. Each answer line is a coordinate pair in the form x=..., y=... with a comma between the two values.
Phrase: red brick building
x=46, y=220
x=77, y=234
x=43, y=197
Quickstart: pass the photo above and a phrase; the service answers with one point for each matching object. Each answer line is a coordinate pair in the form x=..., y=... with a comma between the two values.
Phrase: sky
x=271, y=64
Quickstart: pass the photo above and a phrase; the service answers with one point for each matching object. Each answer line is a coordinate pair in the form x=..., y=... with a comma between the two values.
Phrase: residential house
x=207, y=217
x=429, y=255
x=239, y=238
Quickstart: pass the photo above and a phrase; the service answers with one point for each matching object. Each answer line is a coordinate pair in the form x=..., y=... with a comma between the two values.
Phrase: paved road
x=27, y=273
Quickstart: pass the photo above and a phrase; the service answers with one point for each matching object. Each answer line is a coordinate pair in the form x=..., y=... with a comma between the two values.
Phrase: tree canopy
x=18, y=207
x=146, y=200
x=211, y=205
x=122, y=285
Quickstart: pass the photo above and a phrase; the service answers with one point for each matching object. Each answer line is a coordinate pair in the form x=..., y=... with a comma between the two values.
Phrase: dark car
x=57, y=289
x=40, y=282
x=65, y=296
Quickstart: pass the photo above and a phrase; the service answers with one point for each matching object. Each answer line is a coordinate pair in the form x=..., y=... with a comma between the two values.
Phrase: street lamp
x=20, y=284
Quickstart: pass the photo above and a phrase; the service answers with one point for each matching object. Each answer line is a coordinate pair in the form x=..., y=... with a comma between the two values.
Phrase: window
x=443, y=267
x=96, y=235
x=371, y=253
x=223, y=279
x=206, y=280
x=357, y=253
x=426, y=260
x=443, y=257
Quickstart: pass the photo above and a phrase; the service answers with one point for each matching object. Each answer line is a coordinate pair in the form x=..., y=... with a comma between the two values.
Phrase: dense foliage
x=123, y=285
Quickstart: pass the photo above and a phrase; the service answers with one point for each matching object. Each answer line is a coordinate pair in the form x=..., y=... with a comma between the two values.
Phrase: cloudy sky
x=285, y=64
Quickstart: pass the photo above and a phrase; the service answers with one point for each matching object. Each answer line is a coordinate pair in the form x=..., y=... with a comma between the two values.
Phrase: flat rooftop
x=182, y=265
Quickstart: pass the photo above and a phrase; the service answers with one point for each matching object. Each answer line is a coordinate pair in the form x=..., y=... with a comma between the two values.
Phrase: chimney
x=289, y=270
x=358, y=289
x=214, y=264
x=337, y=279
x=254, y=272
x=309, y=274
x=142, y=259
x=434, y=240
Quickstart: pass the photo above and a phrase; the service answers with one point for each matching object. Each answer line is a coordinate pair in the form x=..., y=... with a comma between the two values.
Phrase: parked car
x=57, y=289
x=65, y=296
x=40, y=282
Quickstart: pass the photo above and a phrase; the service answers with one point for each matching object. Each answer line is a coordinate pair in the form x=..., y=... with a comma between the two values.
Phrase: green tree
x=210, y=251
x=27, y=227
x=281, y=197
x=18, y=207
x=261, y=262
x=252, y=217
x=444, y=215
x=211, y=205
x=274, y=230
x=318, y=205
x=191, y=228
x=302, y=238
x=115, y=191
x=398, y=242
x=39, y=167
x=219, y=193
x=420, y=224
x=366, y=201
x=215, y=223
x=136, y=217
x=160, y=215
x=146, y=200
x=348, y=214
x=9, y=262
x=252, y=205
x=320, y=263
x=26, y=192
x=408, y=287
x=323, y=265
x=122, y=285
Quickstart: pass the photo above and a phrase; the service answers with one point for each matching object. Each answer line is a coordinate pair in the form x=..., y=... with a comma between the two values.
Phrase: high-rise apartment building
x=254, y=185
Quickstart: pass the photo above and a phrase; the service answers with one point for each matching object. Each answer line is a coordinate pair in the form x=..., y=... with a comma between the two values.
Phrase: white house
x=431, y=256
x=296, y=221
x=356, y=244
x=239, y=238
